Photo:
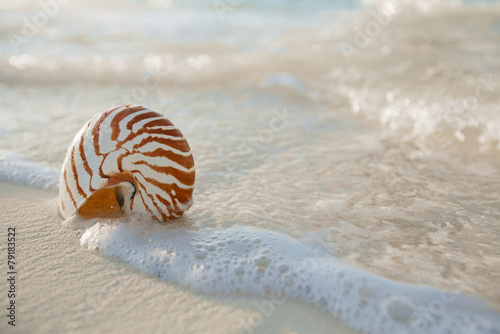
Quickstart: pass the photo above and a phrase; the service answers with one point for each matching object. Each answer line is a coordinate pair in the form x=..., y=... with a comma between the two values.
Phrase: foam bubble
x=15, y=168
x=261, y=262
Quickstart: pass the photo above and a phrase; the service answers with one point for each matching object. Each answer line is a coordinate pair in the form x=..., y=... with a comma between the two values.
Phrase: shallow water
x=382, y=146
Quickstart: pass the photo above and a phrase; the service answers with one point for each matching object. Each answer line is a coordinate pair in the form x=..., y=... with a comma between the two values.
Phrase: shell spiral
x=127, y=159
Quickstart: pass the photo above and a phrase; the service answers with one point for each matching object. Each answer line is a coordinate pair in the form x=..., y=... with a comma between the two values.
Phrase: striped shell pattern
x=127, y=159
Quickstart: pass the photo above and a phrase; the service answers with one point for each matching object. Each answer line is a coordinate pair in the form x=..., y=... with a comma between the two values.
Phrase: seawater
x=347, y=153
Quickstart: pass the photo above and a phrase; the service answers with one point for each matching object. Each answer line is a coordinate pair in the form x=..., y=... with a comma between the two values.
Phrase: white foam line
x=15, y=168
x=260, y=262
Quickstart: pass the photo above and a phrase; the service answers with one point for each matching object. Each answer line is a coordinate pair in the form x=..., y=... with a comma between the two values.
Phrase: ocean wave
x=17, y=169
x=255, y=261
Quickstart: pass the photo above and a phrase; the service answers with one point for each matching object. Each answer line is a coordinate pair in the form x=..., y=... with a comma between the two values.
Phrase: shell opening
x=109, y=202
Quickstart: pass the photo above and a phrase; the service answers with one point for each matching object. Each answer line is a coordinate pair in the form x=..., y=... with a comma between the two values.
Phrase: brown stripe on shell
x=101, y=172
x=140, y=117
x=75, y=174
x=145, y=205
x=115, y=123
x=160, y=131
x=96, y=131
x=186, y=178
x=181, y=146
x=86, y=164
x=158, y=122
x=170, y=208
x=149, y=131
x=182, y=195
x=150, y=114
x=147, y=194
x=83, y=156
x=185, y=161
x=119, y=162
x=163, y=201
x=67, y=188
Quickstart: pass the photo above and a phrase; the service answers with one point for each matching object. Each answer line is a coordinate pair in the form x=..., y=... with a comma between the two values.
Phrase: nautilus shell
x=127, y=159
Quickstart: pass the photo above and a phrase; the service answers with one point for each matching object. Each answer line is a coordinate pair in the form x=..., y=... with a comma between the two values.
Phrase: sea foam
x=17, y=169
x=260, y=262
